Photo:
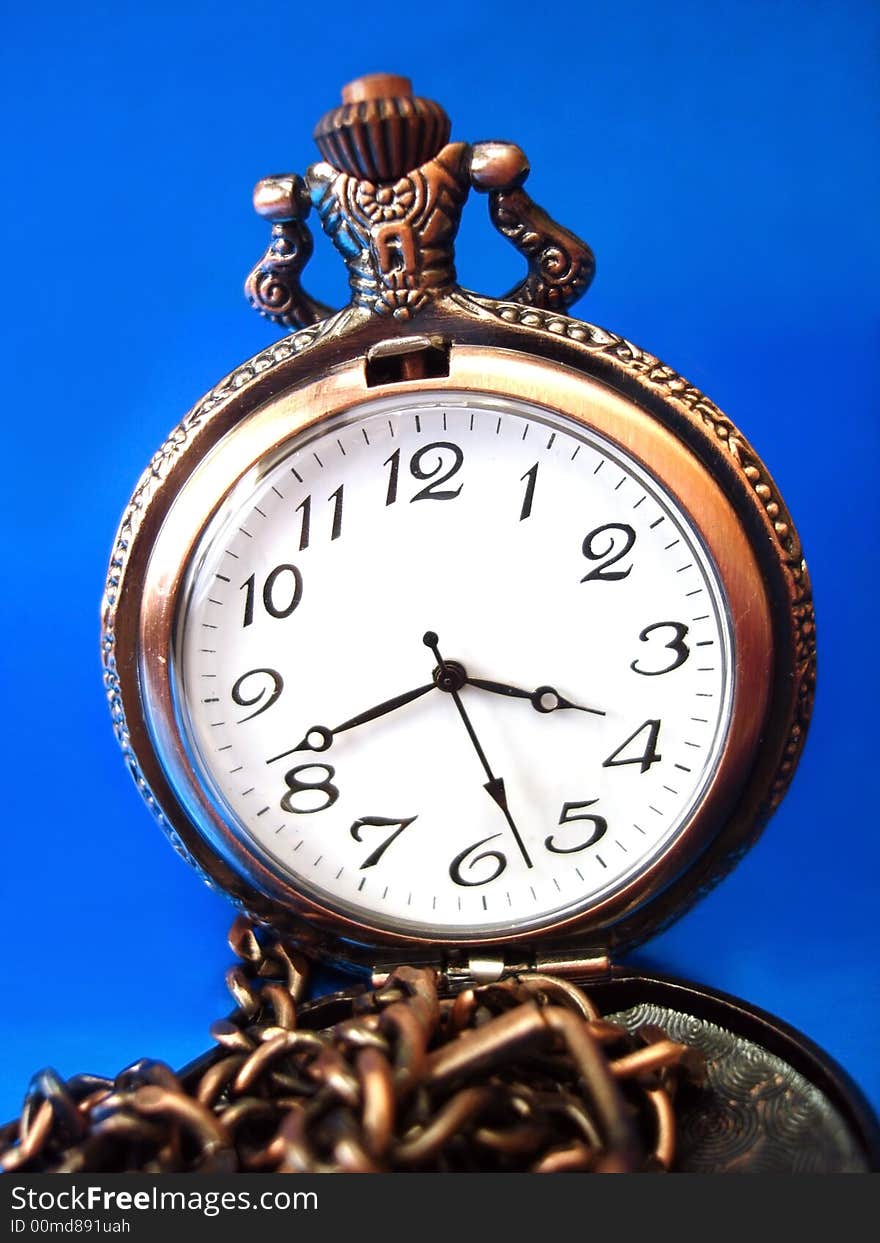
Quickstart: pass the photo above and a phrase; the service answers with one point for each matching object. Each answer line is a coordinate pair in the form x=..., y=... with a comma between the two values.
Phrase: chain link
x=521, y=1075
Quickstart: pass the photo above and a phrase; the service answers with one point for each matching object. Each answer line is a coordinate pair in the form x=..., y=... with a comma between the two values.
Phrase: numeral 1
x=530, y=475
x=306, y=507
x=393, y=474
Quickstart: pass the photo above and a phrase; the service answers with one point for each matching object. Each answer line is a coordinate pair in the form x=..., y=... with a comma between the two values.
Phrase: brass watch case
x=509, y=349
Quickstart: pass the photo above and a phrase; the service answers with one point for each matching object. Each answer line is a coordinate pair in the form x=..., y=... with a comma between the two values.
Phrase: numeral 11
x=305, y=507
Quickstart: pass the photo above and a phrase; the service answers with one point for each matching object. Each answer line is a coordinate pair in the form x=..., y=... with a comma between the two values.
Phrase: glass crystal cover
x=453, y=665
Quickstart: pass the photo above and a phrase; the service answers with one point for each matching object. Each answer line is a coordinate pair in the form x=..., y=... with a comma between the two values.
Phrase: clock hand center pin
x=449, y=677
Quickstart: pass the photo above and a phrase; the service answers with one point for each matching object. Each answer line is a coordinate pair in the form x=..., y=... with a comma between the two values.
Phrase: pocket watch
x=452, y=629
x=456, y=632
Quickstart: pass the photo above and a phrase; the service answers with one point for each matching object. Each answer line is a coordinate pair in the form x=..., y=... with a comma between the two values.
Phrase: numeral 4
x=646, y=758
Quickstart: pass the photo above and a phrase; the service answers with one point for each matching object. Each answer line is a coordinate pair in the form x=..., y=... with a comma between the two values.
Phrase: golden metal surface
x=147, y=615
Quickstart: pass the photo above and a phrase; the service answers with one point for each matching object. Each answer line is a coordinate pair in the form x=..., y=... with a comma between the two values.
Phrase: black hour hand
x=542, y=699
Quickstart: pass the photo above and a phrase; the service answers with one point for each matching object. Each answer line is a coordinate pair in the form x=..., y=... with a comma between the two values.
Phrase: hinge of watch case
x=487, y=969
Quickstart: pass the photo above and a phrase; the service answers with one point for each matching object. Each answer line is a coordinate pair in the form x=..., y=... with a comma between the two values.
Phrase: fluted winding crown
x=381, y=131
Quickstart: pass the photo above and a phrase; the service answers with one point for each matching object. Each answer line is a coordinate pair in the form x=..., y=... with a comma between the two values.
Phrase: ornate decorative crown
x=390, y=192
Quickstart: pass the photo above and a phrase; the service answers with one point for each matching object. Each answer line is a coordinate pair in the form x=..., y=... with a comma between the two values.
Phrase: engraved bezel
x=507, y=350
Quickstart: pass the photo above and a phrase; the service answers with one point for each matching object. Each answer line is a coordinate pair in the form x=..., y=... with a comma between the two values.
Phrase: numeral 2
x=617, y=533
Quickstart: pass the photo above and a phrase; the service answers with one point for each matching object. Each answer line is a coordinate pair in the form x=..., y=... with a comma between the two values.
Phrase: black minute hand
x=320, y=738
x=495, y=785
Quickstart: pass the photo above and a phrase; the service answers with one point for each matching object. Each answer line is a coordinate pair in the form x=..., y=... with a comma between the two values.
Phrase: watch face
x=453, y=665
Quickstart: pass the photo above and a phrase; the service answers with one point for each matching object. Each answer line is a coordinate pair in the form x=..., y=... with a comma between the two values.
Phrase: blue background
x=721, y=161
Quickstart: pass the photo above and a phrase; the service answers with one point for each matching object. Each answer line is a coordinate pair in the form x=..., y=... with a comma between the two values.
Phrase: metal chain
x=522, y=1075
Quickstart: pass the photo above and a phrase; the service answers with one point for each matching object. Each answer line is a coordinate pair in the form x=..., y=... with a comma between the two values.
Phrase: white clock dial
x=535, y=556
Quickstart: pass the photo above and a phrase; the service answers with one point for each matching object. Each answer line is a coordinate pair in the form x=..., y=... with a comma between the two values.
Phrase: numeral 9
x=263, y=693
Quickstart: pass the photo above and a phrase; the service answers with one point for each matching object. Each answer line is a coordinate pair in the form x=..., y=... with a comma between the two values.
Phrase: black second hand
x=495, y=785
